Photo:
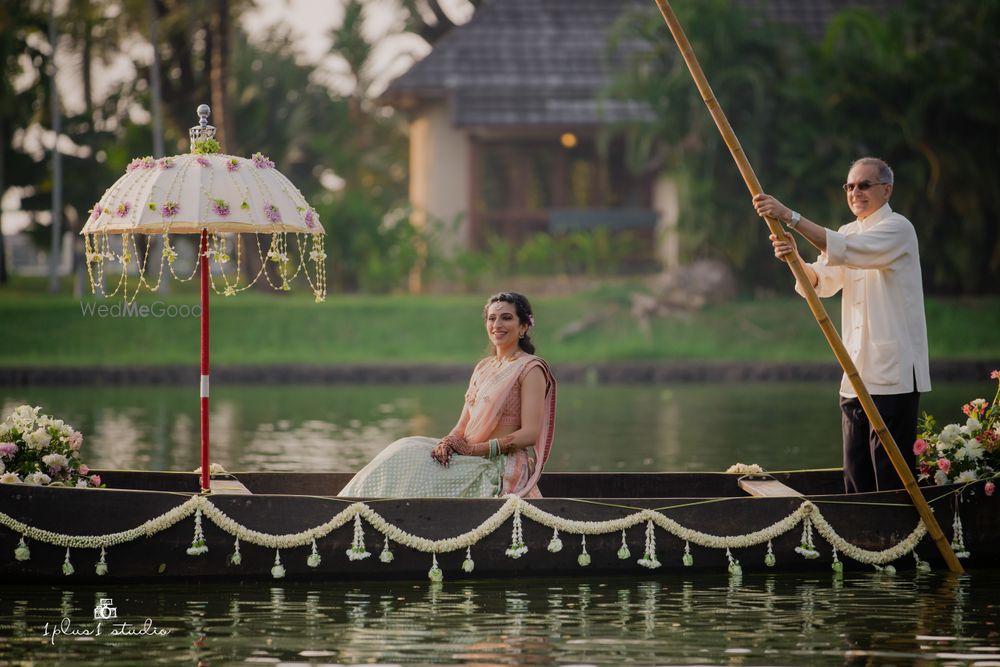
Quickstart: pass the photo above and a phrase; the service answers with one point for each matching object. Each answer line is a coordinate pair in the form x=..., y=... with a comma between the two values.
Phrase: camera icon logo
x=104, y=610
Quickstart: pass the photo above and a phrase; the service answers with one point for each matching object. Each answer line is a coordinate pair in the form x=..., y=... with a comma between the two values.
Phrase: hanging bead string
x=317, y=254
x=957, y=533
x=649, y=558
x=256, y=193
x=806, y=547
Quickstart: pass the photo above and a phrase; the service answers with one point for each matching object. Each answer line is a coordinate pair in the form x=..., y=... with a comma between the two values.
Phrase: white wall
x=667, y=204
x=439, y=172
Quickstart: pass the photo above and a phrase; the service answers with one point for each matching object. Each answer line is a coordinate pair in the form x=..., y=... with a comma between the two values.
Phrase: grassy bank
x=259, y=328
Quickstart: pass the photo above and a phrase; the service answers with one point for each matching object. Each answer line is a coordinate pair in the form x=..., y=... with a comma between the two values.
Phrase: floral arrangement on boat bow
x=37, y=449
x=962, y=453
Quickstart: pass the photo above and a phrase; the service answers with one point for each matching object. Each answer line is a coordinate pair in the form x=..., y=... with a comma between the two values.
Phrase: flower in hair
x=531, y=320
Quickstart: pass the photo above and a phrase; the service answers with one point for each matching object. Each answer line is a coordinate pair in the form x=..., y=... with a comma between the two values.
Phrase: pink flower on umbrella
x=148, y=162
x=167, y=163
x=136, y=163
x=123, y=209
x=169, y=209
x=203, y=161
x=96, y=211
x=944, y=465
x=990, y=488
x=233, y=164
x=310, y=219
x=261, y=162
x=919, y=447
x=220, y=207
x=272, y=213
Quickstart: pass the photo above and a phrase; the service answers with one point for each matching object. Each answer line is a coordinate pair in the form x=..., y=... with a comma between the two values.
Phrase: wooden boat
x=266, y=505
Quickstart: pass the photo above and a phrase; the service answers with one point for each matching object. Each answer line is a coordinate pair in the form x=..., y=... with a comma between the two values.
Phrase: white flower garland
x=807, y=513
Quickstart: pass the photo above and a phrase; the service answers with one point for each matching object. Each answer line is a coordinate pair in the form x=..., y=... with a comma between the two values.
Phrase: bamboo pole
x=815, y=305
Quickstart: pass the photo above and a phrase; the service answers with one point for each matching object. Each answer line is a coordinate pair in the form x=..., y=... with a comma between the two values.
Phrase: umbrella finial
x=202, y=132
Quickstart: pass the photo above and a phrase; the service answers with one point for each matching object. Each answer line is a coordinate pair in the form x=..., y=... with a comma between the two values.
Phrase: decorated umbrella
x=214, y=195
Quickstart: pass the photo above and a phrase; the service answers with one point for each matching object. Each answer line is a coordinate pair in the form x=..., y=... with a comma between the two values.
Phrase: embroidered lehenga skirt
x=405, y=469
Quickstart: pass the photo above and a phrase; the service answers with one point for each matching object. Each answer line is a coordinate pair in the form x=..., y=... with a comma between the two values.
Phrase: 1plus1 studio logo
x=104, y=611
x=106, y=624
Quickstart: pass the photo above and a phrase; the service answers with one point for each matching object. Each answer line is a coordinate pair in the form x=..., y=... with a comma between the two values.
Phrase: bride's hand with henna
x=442, y=452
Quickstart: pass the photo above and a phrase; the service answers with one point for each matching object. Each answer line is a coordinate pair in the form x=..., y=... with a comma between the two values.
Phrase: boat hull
x=283, y=504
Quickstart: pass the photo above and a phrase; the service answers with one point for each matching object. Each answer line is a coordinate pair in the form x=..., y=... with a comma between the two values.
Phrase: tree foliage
x=916, y=87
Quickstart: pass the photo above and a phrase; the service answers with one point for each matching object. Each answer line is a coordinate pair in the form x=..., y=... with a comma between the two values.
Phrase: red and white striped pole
x=203, y=259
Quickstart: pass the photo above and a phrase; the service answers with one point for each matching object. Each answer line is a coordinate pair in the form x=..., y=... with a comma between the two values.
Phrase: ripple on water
x=773, y=619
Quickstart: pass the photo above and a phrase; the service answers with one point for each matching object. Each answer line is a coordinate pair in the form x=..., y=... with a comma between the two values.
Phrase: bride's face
x=502, y=326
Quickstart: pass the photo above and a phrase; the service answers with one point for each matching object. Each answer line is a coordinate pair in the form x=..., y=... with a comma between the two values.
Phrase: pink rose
x=990, y=488
x=944, y=465
x=84, y=470
x=919, y=447
x=95, y=480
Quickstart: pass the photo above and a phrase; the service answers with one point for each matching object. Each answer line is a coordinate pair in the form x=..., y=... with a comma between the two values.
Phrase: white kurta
x=876, y=263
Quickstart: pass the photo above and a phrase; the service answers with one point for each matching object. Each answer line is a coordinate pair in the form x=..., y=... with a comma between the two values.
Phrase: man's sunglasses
x=862, y=185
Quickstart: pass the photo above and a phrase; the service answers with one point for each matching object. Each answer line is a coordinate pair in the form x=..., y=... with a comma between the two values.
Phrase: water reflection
x=772, y=619
x=684, y=427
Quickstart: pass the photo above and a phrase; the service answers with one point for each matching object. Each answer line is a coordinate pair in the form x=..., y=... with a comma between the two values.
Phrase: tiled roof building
x=504, y=109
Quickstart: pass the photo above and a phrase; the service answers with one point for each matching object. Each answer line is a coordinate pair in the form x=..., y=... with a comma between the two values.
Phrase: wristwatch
x=796, y=216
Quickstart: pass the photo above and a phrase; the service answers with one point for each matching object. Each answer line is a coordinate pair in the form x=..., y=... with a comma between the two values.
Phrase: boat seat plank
x=231, y=486
x=767, y=487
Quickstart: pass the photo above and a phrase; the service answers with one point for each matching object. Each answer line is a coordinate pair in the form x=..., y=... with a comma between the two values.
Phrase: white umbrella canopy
x=210, y=193
x=188, y=193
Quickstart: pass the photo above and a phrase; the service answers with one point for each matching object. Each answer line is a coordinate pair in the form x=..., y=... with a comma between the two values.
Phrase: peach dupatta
x=487, y=393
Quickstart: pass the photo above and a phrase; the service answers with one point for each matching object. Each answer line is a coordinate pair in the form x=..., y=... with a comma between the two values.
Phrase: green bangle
x=494, y=448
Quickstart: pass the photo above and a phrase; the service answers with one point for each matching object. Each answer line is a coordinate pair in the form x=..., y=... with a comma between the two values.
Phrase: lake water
x=861, y=619
x=761, y=619
x=683, y=427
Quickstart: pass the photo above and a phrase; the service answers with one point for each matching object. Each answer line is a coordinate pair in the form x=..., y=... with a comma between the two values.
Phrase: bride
x=503, y=437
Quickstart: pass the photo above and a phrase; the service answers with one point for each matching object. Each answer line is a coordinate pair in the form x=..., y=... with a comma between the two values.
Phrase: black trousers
x=867, y=466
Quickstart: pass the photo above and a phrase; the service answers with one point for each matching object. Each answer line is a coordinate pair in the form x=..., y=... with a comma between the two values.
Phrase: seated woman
x=502, y=439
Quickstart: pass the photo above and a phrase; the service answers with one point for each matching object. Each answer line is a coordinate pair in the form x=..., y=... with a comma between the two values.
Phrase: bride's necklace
x=494, y=364
x=500, y=361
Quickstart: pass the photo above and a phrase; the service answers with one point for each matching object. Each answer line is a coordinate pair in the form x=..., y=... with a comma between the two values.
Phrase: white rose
x=54, y=460
x=972, y=424
x=37, y=479
x=949, y=433
x=941, y=477
x=37, y=439
x=966, y=477
x=973, y=449
x=82, y=483
x=9, y=478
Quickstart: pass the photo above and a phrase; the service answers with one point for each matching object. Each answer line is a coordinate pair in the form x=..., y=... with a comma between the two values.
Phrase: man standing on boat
x=875, y=261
